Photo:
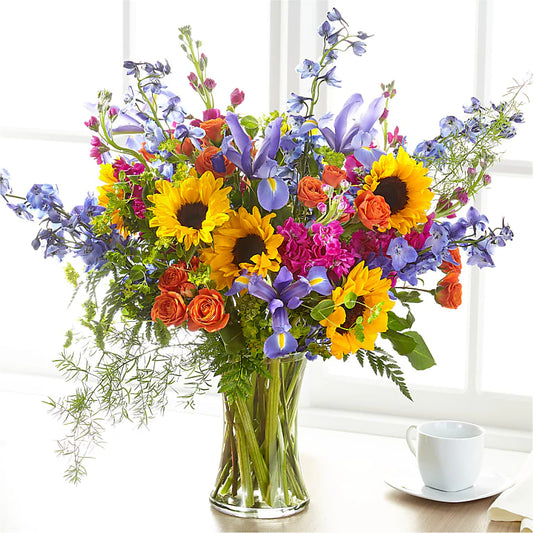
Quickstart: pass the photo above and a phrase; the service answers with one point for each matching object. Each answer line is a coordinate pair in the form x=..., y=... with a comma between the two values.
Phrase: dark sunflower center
x=352, y=315
x=246, y=247
x=192, y=215
x=394, y=190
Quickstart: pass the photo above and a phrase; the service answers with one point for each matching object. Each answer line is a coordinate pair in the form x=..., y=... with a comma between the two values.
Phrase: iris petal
x=318, y=280
x=272, y=193
x=279, y=344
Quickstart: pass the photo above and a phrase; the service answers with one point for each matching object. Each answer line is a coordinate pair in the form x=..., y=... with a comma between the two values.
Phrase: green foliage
x=384, y=364
x=322, y=310
x=330, y=157
x=250, y=124
x=71, y=275
x=397, y=323
x=412, y=345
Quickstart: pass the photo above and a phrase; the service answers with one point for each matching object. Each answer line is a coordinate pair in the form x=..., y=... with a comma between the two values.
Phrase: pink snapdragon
x=98, y=149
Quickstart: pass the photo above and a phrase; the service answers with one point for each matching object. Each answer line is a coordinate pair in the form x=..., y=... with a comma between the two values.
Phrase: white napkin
x=516, y=503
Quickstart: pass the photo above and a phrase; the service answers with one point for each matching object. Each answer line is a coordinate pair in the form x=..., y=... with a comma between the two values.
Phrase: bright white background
x=57, y=54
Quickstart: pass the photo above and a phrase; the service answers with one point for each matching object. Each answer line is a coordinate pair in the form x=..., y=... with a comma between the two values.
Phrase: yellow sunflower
x=370, y=291
x=403, y=183
x=109, y=180
x=191, y=210
x=245, y=241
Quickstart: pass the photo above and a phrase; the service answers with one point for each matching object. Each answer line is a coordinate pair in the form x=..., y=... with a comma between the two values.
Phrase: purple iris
x=283, y=294
x=345, y=127
x=272, y=191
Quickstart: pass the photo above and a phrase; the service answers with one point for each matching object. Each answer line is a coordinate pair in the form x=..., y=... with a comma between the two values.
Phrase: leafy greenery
x=384, y=364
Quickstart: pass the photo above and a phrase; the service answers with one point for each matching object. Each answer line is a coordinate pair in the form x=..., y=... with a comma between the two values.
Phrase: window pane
x=506, y=292
x=434, y=77
x=35, y=293
x=510, y=57
x=56, y=55
x=445, y=332
x=235, y=37
x=414, y=45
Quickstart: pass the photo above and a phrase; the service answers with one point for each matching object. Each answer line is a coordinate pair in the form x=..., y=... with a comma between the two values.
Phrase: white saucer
x=410, y=482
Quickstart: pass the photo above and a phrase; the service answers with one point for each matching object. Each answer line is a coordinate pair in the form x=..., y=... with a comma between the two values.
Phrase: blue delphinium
x=451, y=126
x=308, y=69
x=5, y=187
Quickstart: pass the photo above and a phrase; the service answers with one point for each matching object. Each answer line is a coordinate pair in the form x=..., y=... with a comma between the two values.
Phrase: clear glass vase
x=260, y=474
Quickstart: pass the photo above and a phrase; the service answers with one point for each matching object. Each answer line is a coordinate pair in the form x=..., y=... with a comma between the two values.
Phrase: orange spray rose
x=449, y=291
x=207, y=311
x=203, y=163
x=310, y=191
x=333, y=175
x=172, y=279
x=170, y=308
x=213, y=129
x=373, y=211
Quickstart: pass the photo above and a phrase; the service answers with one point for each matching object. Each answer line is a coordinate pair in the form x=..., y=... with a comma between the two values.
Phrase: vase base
x=258, y=512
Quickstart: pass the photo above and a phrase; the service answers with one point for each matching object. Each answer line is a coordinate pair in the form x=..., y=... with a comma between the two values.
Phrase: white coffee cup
x=449, y=453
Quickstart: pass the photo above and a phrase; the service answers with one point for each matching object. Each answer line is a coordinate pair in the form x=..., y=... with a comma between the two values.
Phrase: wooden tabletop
x=158, y=480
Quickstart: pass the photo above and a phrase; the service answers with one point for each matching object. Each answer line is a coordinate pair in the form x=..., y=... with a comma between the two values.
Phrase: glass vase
x=260, y=474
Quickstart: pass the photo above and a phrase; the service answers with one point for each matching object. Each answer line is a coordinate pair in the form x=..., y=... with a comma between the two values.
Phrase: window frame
x=342, y=398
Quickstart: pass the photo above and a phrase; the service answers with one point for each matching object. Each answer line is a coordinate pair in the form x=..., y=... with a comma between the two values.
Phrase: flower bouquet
x=236, y=248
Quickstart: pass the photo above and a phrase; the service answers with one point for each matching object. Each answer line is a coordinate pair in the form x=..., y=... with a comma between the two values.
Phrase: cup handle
x=410, y=437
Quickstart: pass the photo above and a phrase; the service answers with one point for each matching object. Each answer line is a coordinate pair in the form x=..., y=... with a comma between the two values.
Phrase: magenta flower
x=295, y=250
x=236, y=97
x=210, y=114
x=99, y=150
x=417, y=240
x=210, y=84
x=92, y=124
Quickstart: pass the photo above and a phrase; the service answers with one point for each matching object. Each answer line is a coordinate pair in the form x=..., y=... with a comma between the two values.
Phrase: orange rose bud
x=213, y=129
x=204, y=163
x=170, y=308
x=333, y=175
x=172, y=279
x=448, y=267
x=310, y=191
x=188, y=289
x=207, y=311
x=373, y=211
x=449, y=291
x=186, y=147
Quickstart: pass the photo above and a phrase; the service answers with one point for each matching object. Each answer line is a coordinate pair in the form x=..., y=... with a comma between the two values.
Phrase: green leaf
x=375, y=312
x=420, y=358
x=232, y=338
x=162, y=333
x=401, y=342
x=137, y=273
x=313, y=166
x=322, y=310
x=397, y=323
x=408, y=297
x=350, y=300
x=250, y=124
